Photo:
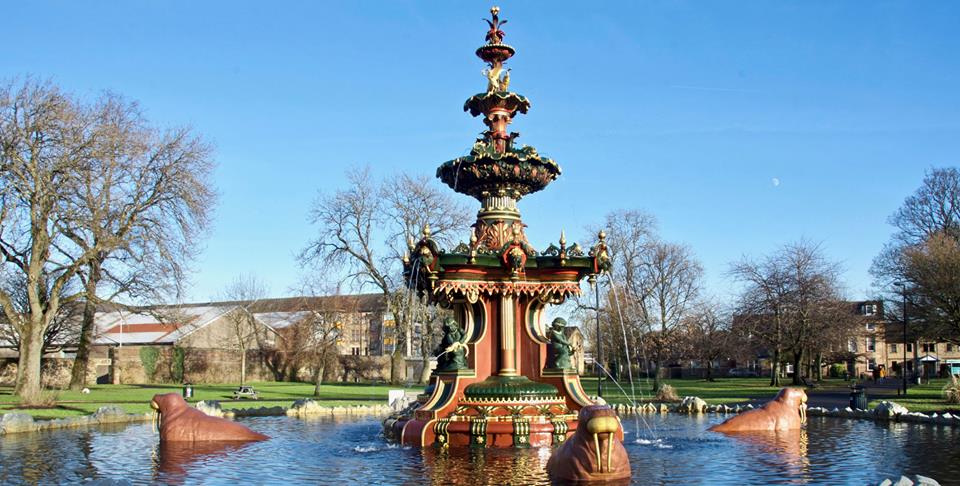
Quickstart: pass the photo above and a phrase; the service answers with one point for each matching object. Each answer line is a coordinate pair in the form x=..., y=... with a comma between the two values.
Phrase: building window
x=871, y=326
x=909, y=347
x=852, y=345
x=872, y=344
x=355, y=351
x=929, y=347
x=871, y=364
x=869, y=309
x=949, y=347
x=893, y=347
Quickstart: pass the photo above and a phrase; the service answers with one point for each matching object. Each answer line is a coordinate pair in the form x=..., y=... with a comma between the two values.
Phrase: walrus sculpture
x=594, y=452
x=179, y=422
x=787, y=411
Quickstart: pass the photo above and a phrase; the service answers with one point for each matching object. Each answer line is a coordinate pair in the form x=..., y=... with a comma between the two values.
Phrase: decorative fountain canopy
x=495, y=167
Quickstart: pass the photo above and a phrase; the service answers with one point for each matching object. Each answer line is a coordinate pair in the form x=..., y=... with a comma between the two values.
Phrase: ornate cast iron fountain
x=503, y=377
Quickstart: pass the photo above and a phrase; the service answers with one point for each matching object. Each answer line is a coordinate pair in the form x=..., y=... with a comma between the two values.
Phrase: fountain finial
x=495, y=35
x=426, y=231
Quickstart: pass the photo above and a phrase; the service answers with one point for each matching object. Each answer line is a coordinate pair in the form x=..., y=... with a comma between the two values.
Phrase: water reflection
x=667, y=450
x=490, y=466
x=174, y=458
x=784, y=451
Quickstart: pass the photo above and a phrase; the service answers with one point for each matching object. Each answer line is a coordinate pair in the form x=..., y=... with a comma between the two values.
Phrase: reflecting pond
x=668, y=449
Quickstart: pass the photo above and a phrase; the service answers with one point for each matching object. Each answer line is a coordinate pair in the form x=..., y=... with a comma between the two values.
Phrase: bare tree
x=922, y=255
x=674, y=279
x=140, y=205
x=933, y=270
x=45, y=138
x=624, y=312
x=314, y=340
x=653, y=283
x=244, y=292
x=360, y=228
x=706, y=331
x=791, y=301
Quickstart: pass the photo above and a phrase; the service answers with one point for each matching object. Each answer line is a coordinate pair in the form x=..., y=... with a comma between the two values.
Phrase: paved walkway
x=838, y=396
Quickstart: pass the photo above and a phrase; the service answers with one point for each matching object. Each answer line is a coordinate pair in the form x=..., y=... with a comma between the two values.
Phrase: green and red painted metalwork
x=498, y=286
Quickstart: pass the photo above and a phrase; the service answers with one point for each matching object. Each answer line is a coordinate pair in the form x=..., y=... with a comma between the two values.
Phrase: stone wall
x=199, y=366
x=55, y=372
x=124, y=366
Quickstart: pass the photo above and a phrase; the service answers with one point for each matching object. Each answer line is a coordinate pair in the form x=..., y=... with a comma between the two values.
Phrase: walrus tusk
x=596, y=443
x=609, y=450
x=603, y=425
x=156, y=416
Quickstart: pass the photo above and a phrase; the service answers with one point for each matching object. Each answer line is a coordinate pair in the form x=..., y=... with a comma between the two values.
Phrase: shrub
x=836, y=370
x=148, y=358
x=666, y=393
x=176, y=364
x=951, y=392
x=39, y=399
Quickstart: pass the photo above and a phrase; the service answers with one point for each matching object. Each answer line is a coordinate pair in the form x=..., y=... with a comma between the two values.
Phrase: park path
x=838, y=396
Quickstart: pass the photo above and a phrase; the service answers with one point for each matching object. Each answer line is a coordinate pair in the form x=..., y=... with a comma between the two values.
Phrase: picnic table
x=245, y=392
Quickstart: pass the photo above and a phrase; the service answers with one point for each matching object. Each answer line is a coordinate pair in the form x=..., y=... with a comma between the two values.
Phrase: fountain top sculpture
x=496, y=172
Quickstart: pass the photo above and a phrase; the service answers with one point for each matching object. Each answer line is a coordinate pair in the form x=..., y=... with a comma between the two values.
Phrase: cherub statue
x=452, y=351
x=559, y=349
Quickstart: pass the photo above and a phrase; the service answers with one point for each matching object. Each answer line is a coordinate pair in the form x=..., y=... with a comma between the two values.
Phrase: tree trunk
x=709, y=371
x=28, y=366
x=819, y=365
x=425, y=355
x=318, y=379
x=797, y=361
x=78, y=375
x=243, y=366
x=775, y=369
x=425, y=372
x=397, y=367
x=656, y=376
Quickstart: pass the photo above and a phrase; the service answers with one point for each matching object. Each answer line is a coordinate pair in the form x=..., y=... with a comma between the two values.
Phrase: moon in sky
x=775, y=181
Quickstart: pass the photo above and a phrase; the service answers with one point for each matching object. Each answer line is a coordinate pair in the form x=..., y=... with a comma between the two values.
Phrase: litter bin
x=187, y=390
x=858, y=398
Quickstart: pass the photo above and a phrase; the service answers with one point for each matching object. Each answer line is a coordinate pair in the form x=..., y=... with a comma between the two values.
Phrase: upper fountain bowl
x=485, y=172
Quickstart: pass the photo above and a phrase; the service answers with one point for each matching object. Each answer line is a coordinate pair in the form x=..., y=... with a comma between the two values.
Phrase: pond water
x=669, y=449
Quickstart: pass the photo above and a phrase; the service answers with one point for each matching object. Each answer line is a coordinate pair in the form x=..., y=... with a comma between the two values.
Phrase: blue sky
x=689, y=110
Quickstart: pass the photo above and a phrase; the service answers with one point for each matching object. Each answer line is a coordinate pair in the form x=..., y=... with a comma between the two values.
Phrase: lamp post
x=903, y=293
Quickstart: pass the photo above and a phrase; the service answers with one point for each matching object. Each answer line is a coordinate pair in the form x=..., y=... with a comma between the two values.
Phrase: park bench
x=245, y=392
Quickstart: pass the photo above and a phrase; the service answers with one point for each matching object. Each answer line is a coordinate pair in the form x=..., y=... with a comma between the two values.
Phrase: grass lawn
x=723, y=390
x=136, y=398
x=924, y=398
